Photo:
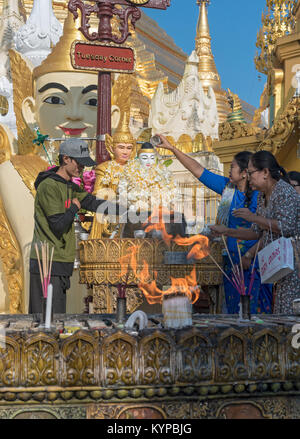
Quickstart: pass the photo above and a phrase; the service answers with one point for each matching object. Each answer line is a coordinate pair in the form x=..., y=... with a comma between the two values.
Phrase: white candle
x=49, y=306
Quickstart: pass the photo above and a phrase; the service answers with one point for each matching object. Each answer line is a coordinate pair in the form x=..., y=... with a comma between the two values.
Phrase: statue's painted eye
x=93, y=102
x=54, y=100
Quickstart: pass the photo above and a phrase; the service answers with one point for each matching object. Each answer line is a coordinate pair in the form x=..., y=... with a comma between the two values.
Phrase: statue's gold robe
x=106, y=186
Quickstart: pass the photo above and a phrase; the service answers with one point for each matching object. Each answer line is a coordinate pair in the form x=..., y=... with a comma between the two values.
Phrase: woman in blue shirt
x=236, y=194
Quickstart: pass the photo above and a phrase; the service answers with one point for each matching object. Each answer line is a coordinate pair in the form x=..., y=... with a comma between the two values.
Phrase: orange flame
x=158, y=224
x=187, y=285
x=201, y=248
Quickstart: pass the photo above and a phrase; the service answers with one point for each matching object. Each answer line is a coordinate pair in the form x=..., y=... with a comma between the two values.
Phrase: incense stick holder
x=245, y=304
x=121, y=310
x=44, y=307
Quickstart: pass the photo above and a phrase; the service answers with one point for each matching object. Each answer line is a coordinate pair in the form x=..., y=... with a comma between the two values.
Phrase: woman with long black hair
x=279, y=211
x=236, y=193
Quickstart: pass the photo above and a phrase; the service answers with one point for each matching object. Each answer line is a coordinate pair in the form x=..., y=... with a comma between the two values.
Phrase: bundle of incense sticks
x=237, y=279
x=45, y=264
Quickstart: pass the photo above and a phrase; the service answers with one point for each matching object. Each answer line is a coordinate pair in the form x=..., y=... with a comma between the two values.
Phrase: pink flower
x=76, y=180
x=89, y=178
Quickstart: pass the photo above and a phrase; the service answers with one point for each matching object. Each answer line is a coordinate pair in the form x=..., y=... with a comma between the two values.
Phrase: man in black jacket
x=57, y=201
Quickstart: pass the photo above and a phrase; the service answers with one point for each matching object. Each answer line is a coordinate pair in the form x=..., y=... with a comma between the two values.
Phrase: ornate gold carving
x=267, y=358
x=105, y=299
x=231, y=361
x=276, y=409
x=195, y=358
x=108, y=269
x=5, y=151
x=119, y=360
x=9, y=362
x=293, y=361
x=124, y=411
x=28, y=167
x=156, y=365
x=283, y=127
x=236, y=130
x=127, y=94
x=197, y=373
x=4, y=105
x=277, y=22
x=21, y=71
x=81, y=366
x=200, y=410
x=11, y=257
x=40, y=364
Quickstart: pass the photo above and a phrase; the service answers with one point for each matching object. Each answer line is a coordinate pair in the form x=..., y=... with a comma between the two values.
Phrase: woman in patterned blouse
x=278, y=209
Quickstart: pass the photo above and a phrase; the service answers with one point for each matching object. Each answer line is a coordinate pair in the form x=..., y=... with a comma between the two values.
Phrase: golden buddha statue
x=121, y=147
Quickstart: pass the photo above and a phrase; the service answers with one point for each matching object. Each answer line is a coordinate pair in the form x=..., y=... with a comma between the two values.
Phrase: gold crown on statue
x=59, y=60
x=121, y=135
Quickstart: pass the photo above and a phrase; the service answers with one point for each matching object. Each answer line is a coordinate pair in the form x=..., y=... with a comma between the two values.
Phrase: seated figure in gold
x=121, y=147
x=147, y=187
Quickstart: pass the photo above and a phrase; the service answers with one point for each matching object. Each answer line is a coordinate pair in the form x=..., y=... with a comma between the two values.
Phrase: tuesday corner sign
x=103, y=57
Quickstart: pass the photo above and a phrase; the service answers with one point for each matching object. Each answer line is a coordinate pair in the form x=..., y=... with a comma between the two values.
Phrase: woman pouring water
x=236, y=194
x=278, y=214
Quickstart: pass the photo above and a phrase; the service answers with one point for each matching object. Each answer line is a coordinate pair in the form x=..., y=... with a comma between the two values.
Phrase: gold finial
x=203, y=26
x=207, y=68
x=121, y=135
x=277, y=22
x=59, y=60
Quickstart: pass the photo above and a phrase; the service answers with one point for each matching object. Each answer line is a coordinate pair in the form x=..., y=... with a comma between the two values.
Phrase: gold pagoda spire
x=207, y=68
x=208, y=72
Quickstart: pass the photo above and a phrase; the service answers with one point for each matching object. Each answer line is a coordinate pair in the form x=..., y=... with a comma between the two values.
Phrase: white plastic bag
x=276, y=260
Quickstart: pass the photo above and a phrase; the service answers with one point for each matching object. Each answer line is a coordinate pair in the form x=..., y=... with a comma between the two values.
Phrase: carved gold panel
x=10, y=356
x=267, y=360
x=81, y=360
x=293, y=361
x=231, y=356
x=40, y=364
x=195, y=358
x=157, y=360
x=107, y=270
x=120, y=360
